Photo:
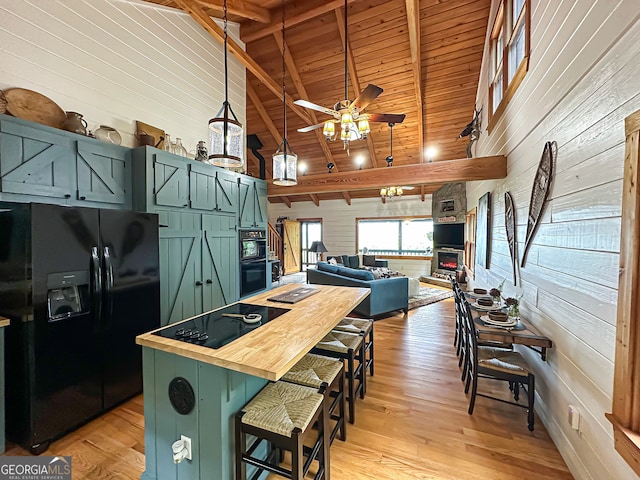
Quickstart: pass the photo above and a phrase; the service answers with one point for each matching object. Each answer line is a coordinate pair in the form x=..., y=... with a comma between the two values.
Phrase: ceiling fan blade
x=313, y=106
x=407, y=187
x=368, y=95
x=386, y=117
x=311, y=127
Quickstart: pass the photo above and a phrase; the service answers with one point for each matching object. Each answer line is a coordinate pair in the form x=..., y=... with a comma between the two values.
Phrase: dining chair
x=496, y=364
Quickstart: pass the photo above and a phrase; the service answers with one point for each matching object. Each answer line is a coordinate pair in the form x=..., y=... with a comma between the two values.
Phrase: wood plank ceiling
x=390, y=43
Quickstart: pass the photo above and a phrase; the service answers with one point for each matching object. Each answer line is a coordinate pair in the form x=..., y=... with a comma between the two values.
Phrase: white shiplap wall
x=117, y=61
x=339, y=223
x=582, y=82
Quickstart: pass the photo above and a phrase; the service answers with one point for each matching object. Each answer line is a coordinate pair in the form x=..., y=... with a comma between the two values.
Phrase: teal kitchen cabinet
x=44, y=164
x=103, y=173
x=253, y=203
x=199, y=267
x=35, y=161
x=220, y=261
x=212, y=189
x=163, y=179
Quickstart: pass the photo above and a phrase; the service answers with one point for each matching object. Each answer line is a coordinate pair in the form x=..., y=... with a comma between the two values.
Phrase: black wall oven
x=253, y=261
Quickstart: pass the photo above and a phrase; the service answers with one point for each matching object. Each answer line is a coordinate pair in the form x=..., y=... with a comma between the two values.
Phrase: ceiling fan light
x=363, y=127
x=399, y=191
x=226, y=139
x=285, y=167
x=329, y=129
x=347, y=118
x=383, y=192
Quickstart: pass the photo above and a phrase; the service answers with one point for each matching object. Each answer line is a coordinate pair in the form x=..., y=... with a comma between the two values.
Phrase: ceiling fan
x=354, y=125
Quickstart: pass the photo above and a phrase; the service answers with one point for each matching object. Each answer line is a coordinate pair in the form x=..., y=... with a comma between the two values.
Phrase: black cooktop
x=214, y=330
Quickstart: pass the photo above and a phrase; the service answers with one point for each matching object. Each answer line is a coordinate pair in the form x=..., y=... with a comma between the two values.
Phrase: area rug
x=428, y=295
x=300, y=277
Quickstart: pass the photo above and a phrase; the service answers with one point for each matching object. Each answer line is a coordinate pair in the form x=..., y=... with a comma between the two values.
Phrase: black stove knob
x=179, y=333
x=194, y=335
x=203, y=338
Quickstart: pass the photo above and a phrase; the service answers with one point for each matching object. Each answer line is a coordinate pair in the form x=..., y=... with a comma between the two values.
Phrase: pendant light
x=284, y=160
x=226, y=135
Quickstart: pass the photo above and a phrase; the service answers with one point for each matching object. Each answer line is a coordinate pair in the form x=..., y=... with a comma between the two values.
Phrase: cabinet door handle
x=209, y=281
x=67, y=195
x=83, y=198
x=198, y=283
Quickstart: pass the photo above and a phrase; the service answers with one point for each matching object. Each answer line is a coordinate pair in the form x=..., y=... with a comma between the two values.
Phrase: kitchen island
x=208, y=386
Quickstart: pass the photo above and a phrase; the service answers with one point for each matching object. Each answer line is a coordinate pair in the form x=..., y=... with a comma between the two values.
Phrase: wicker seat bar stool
x=283, y=414
x=327, y=376
x=364, y=327
x=348, y=347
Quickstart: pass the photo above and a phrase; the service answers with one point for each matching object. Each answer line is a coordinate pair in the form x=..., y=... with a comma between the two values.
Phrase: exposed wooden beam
x=242, y=8
x=286, y=201
x=413, y=20
x=296, y=14
x=264, y=115
x=463, y=170
x=354, y=78
x=210, y=26
x=302, y=92
x=315, y=199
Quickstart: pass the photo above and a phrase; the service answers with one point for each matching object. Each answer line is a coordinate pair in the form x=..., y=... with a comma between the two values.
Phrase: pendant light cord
x=284, y=92
x=346, y=43
x=226, y=75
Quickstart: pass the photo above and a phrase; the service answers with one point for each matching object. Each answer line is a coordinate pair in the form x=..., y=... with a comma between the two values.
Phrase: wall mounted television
x=448, y=235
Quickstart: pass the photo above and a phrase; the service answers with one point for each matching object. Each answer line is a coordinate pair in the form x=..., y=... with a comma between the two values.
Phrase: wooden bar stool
x=327, y=375
x=364, y=327
x=349, y=347
x=283, y=414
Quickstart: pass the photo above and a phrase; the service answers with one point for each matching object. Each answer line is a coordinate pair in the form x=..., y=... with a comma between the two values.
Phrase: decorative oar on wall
x=539, y=193
x=510, y=227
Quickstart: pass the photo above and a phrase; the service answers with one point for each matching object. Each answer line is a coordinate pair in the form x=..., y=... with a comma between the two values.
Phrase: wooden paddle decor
x=510, y=227
x=539, y=193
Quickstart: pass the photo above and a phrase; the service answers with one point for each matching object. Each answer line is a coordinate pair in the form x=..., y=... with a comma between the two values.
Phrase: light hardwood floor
x=412, y=425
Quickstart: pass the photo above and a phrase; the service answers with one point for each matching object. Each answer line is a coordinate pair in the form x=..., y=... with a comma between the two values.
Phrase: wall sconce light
x=303, y=168
x=360, y=161
x=330, y=166
x=430, y=152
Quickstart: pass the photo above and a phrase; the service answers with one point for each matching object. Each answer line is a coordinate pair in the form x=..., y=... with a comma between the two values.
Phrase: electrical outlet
x=574, y=417
x=187, y=444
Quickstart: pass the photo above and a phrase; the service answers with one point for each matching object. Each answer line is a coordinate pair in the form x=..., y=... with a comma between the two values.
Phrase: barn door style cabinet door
x=197, y=206
x=44, y=164
x=253, y=203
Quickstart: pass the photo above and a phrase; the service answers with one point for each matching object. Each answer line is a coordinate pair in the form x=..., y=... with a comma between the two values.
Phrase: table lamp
x=318, y=248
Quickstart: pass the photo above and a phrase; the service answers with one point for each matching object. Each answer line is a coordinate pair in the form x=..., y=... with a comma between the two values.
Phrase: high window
x=395, y=236
x=470, y=242
x=509, y=50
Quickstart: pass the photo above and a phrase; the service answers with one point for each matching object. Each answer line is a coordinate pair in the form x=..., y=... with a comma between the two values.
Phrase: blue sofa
x=387, y=294
x=353, y=261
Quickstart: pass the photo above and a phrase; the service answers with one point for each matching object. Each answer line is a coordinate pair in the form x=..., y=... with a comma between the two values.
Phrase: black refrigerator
x=78, y=284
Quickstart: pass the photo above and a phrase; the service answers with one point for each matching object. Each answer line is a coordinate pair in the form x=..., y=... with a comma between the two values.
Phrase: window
x=625, y=415
x=395, y=236
x=509, y=50
x=470, y=242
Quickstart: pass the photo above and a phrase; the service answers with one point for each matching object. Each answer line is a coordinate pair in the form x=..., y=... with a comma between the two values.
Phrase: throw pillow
x=369, y=260
x=365, y=275
x=332, y=261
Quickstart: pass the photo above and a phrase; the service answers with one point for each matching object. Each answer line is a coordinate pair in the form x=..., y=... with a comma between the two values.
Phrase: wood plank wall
x=582, y=83
x=339, y=223
x=119, y=61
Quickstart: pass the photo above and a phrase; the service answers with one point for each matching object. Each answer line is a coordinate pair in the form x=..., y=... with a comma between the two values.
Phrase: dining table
x=523, y=333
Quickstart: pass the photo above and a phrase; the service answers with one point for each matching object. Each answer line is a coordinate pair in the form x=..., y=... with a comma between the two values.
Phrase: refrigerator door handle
x=97, y=281
x=108, y=281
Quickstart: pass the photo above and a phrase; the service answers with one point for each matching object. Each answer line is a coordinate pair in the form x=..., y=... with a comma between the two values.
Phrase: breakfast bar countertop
x=273, y=348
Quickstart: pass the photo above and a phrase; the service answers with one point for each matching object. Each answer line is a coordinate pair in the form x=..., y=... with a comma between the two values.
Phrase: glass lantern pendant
x=226, y=138
x=285, y=165
x=226, y=135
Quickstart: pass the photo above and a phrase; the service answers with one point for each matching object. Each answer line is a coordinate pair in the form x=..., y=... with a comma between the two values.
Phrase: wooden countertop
x=4, y=322
x=272, y=349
